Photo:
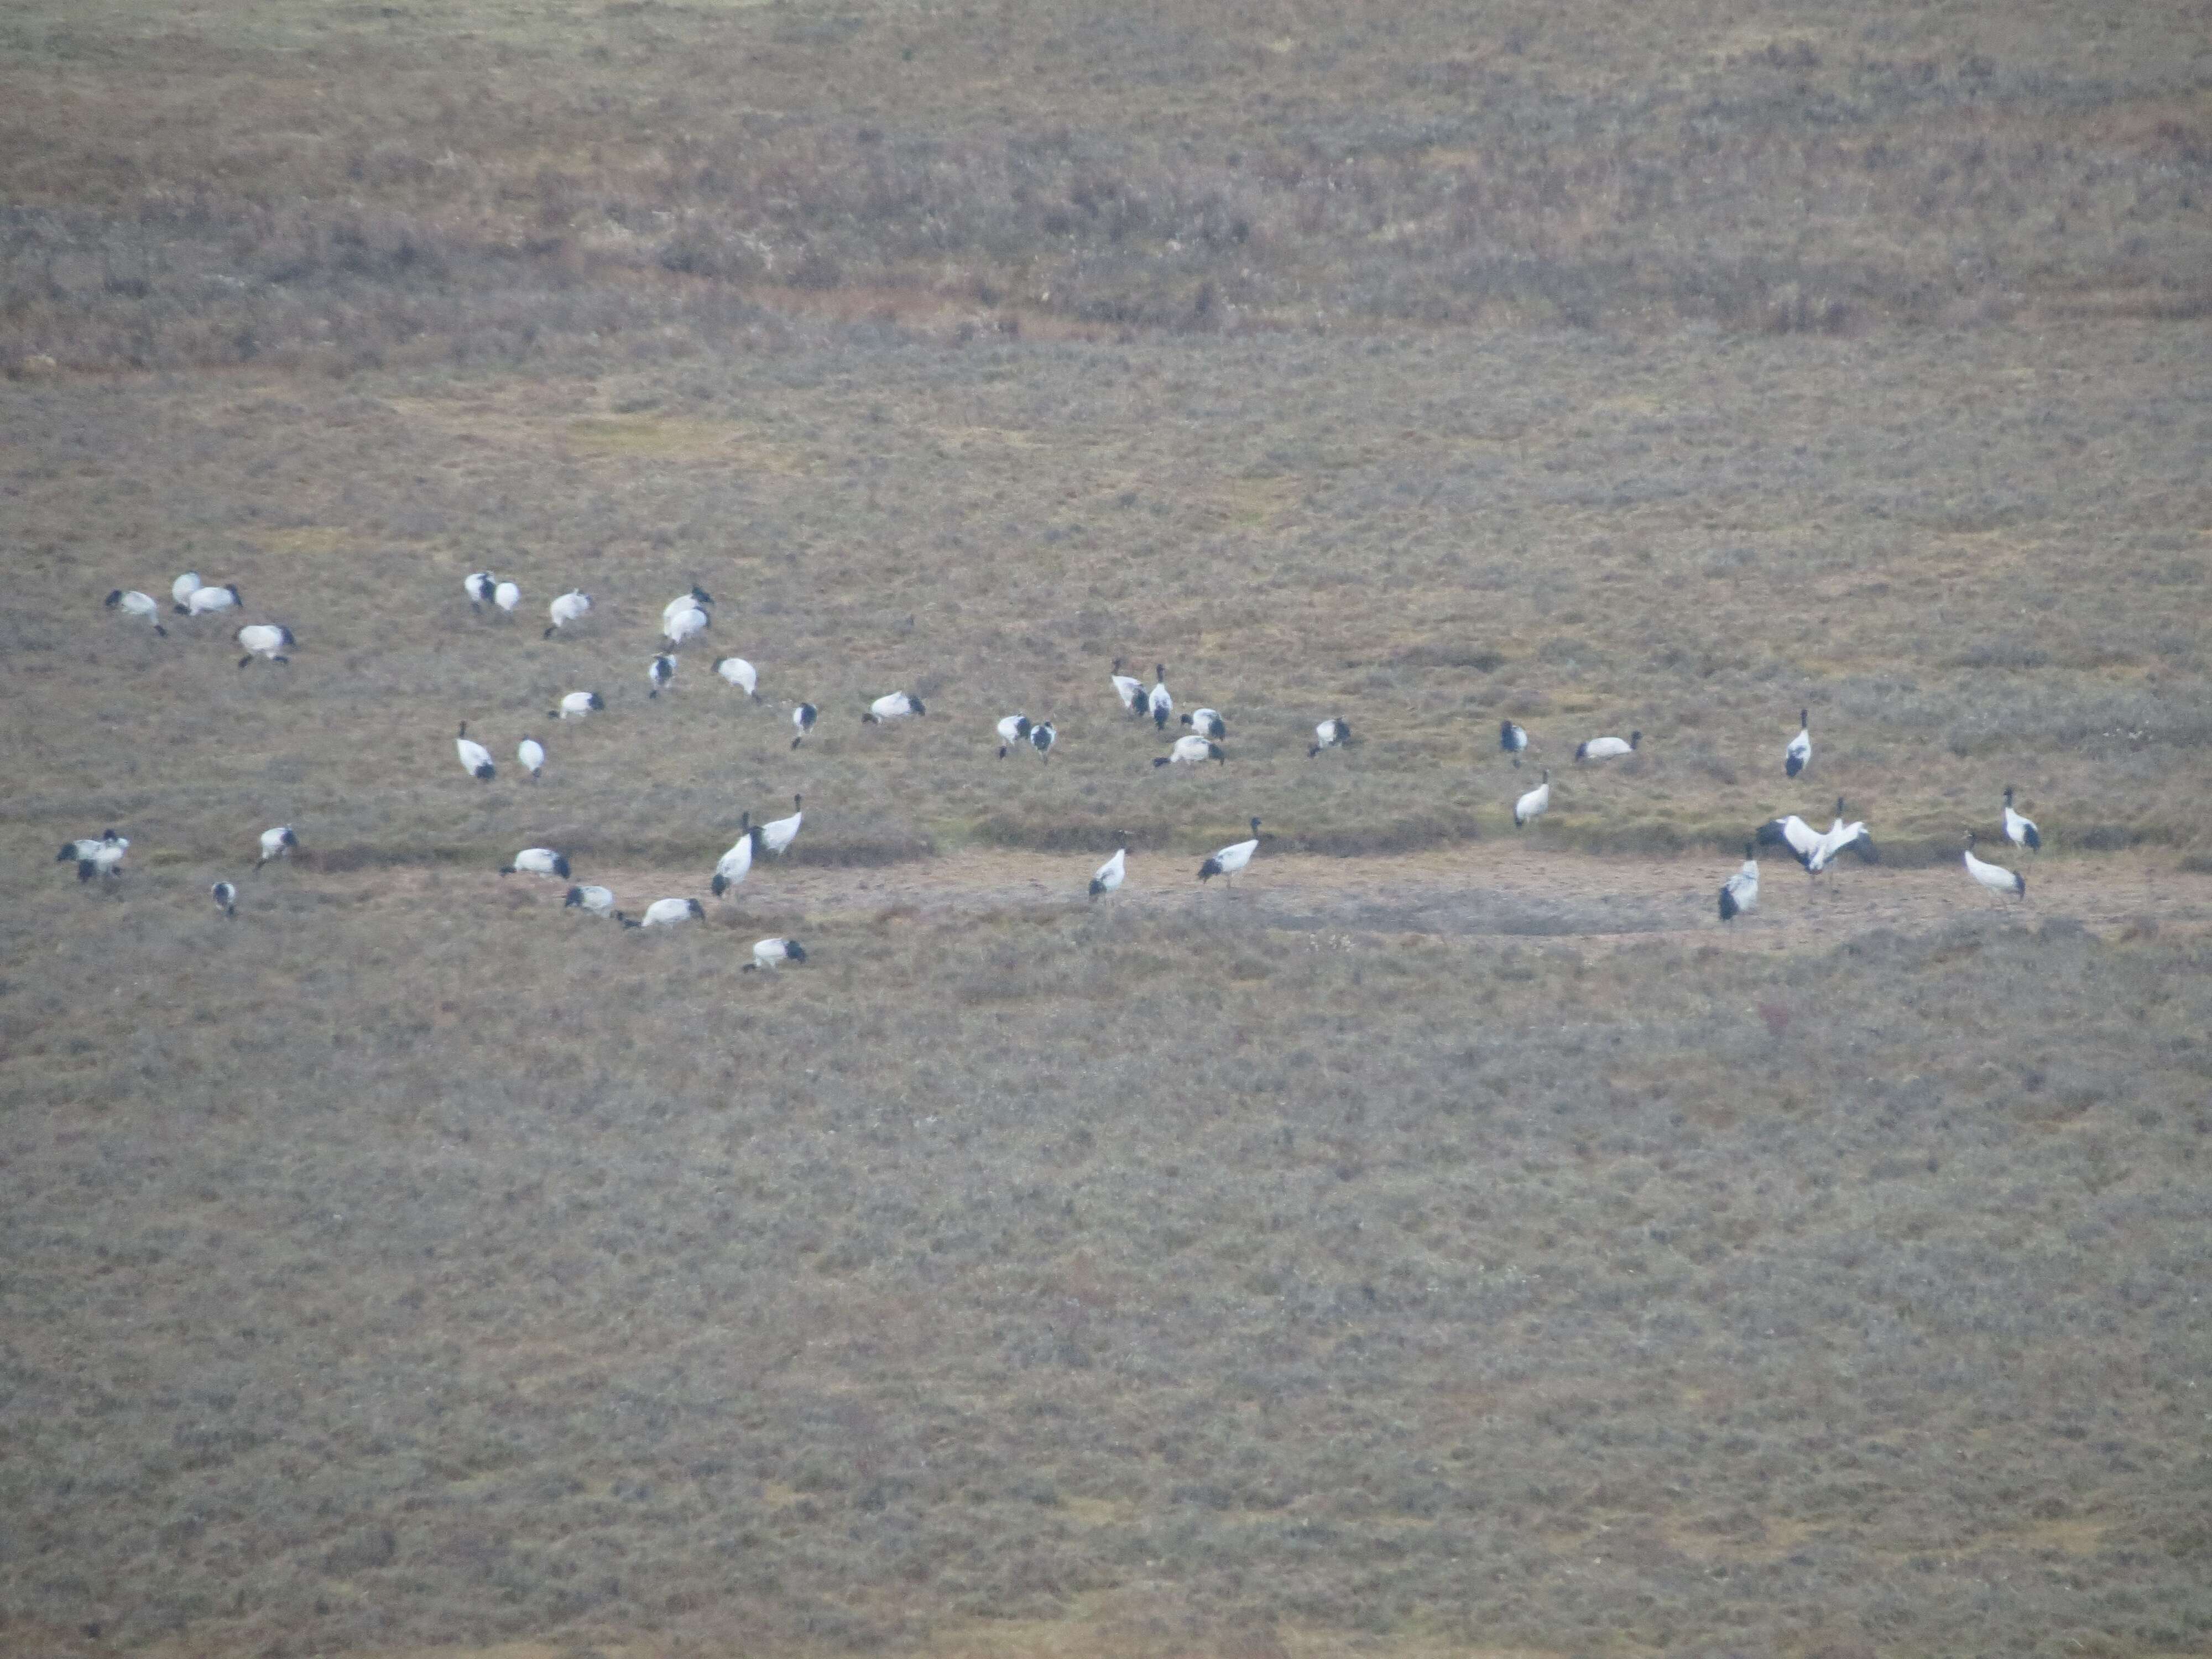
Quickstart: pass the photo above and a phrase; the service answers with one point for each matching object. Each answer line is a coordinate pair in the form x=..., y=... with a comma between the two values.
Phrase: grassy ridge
x=422, y=183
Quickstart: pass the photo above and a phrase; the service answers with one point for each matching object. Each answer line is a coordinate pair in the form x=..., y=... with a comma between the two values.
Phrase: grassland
x=1453, y=1243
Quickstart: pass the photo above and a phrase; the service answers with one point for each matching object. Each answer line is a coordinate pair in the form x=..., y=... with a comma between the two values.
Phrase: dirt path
x=1502, y=890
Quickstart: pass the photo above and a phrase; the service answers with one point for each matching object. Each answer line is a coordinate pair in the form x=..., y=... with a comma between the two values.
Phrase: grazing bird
x=1329, y=734
x=698, y=599
x=892, y=706
x=1534, y=805
x=768, y=953
x=225, y=894
x=1995, y=878
x=1513, y=739
x=2020, y=831
x=1608, y=748
x=183, y=588
x=76, y=852
x=1799, y=755
x=740, y=673
x=479, y=585
x=567, y=609
x=206, y=601
x=1229, y=860
x=476, y=759
x=1111, y=874
x=804, y=717
x=276, y=844
x=599, y=901
x=1739, y=892
x=531, y=754
x=685, y=624
x=506, y=596
x=265, y=640
x=1207, y=723
x=107, y=858
x=133, y=603
x=576, y=705
x=1013, y=729
x=666, y=913
x=777, y=836
x=1190, y=750
x=1131, y=690
x=734, y=866
x=660, y=671
x=1161, y=704
x=536, y=861
x=1041, y=738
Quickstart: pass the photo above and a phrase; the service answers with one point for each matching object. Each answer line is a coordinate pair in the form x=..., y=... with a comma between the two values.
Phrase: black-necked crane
x=1013, y=729
x=1159, y=703
x=740, y=673
x=531, y=754
x=1739, y=892
x=1994, y=878
x=1231, y=858
x=804, y=717
x=2019, y=831
x=892, y=706
x=569, y=607
x=576, y=705
x=479, y=585
x=667, y=913
x=1207, y=723
x=686, y=623
x=1799, y=755
x=204, y=601
x=476, y=759
x=1131, y=690
x=659, y=673
x=777, y=834
x=536, y=861
x=1042, y=736
x=1110, y=875
x=131, y=603
x=599, y=900
x=1190, y=750
x=734, y=866
x=276, y=844
x=265, y=640
x=1608, y=748
x=1513, y=739
x=769, y=954
x=225, y=894
x=1329, y=734
x=1534, y=805
x=506, y=596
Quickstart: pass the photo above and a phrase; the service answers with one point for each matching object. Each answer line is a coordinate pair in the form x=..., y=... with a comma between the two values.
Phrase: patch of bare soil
x=1508, y=891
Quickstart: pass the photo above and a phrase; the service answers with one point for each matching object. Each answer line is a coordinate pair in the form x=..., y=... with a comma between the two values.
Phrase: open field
x=396, y=1271
x=1452, y=1243
x=1997, y=577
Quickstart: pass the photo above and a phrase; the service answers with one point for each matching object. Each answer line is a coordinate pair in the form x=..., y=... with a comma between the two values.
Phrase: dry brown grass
x=395, y=1270
x=1978, y=556
x=341, y=186
x=1448, y=1252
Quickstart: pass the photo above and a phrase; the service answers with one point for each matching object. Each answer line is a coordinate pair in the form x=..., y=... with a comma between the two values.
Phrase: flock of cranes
x=692, y=614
